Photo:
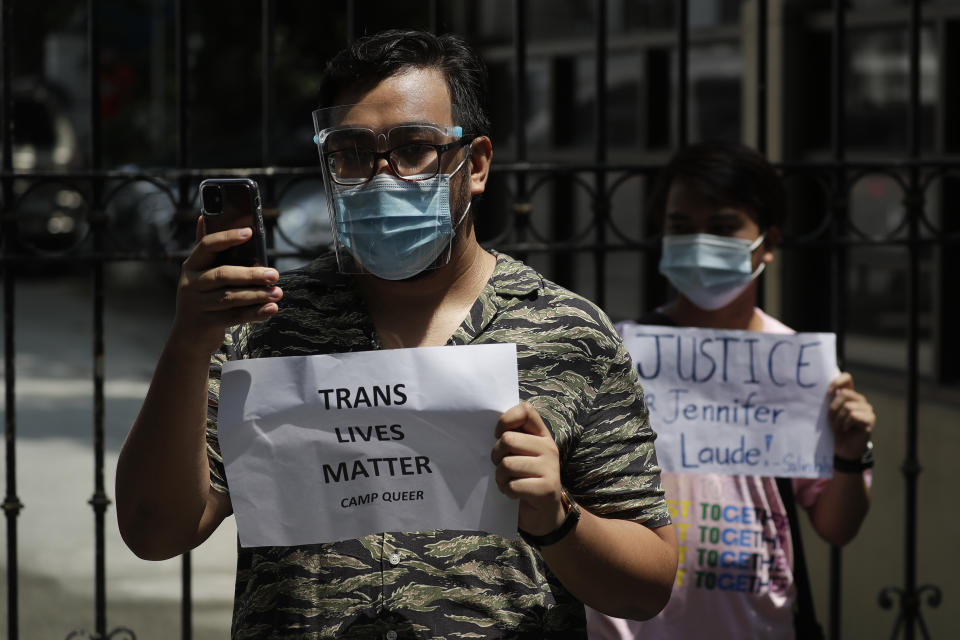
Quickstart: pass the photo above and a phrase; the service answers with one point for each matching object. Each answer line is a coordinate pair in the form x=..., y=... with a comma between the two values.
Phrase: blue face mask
x=393, y=228
x=710, y=271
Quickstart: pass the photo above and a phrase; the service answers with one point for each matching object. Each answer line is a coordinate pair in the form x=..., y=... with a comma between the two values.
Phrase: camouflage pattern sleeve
x=575, y=370
x=613, y=470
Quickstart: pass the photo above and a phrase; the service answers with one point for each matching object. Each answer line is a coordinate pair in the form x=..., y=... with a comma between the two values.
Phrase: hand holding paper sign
x=528, y=468
x=740, y=402
x=851, y=418
x=842, y=506
x=607, y=561
x=333, y=447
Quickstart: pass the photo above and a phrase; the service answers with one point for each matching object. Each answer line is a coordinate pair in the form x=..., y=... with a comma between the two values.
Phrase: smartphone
x=230, y=203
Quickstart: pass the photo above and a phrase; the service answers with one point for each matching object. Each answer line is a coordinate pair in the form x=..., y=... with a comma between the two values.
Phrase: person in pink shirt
x=722, y=206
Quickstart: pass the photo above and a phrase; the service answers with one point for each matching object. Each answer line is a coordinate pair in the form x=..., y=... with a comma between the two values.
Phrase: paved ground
x=55, y=467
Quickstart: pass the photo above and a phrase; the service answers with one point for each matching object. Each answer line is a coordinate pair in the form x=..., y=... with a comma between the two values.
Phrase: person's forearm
x=619, y=568
x=162, y=473
x=841, y=508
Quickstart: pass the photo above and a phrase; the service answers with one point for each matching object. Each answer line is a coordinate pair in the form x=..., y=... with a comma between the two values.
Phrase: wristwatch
x=571, y=519
x=844, y=465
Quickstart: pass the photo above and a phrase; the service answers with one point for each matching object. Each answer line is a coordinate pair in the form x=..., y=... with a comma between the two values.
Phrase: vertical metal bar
x=183, y=88
x=838, y=262
x=267, y=25
x=268, y=22
x=521, y=206
x=354, y=25
x=562, y=192
x=158, y=85
x=911, y=466
x=11, y=502
x=602, y=204
x=6, y=105
x=947, y=310
x=93, y=44
x=683, y=71
x=183, y=196
x=99, y=500
x=600, y=113
x=762, y=76
x=435, y=22
x=186, y=597
x=838, y=130
x=520, y=80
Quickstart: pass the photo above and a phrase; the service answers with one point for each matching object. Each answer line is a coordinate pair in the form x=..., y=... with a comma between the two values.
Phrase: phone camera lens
x=212, y=200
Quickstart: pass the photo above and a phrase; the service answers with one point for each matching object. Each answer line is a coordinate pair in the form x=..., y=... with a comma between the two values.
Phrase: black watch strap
x=844, y=465
x=569, y=522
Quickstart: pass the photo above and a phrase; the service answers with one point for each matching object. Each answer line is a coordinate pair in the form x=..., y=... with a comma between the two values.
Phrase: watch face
x=568, y=503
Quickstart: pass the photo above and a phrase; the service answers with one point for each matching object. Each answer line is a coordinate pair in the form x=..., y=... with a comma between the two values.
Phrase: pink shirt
x=735, y=572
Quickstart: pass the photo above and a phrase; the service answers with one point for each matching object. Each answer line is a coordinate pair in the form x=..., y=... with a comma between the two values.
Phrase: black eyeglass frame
x=386, y=155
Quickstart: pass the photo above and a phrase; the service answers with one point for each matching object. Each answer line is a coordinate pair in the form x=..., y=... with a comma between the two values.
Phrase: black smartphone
x=230, y=203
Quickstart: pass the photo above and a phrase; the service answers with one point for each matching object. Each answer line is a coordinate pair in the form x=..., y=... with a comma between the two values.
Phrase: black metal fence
x=596, y=180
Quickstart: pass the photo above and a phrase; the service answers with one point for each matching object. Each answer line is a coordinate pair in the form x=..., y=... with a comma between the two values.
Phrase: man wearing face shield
x=722, y=207
x=404, y=149
x=391, y=193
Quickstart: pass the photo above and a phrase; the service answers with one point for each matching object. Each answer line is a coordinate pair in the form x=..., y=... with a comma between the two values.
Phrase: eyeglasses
x=413, y=152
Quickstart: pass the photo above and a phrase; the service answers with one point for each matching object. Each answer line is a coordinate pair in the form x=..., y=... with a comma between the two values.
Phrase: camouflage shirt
x=453, y=584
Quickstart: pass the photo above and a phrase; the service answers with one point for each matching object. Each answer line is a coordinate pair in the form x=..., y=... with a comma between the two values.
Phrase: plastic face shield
x=354, y=142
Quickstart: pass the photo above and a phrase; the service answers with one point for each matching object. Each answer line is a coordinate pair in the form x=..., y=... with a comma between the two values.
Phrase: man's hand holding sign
x=326, y=448
x=528, y=469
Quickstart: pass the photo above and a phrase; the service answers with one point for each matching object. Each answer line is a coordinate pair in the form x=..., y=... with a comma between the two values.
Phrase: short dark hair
x=370, y=60
x=725, y=173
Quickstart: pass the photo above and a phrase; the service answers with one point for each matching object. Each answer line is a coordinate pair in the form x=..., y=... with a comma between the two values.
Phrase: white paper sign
x=737, y=402
x=333, y=447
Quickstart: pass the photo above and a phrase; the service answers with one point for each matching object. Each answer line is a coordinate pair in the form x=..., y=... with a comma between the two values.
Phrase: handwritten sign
x=333, y=447
x=737, y=402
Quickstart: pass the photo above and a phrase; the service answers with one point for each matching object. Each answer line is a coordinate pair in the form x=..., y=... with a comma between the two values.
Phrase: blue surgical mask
x=393, y=228
x=710, y=271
